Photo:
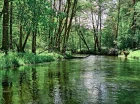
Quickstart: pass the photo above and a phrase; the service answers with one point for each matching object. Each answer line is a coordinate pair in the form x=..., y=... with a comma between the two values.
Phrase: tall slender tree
x=133, y=26
x=11, y=25
x=5, y=38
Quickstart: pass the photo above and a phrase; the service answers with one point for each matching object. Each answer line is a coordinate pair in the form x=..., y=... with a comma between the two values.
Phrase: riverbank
x=22, y=59
x=133, y=54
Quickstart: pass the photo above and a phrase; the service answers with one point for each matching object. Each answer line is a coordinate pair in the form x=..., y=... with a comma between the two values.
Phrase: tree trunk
x=133, y=26
x=5, y=39
x=100, y=13
x=96, y=45
x=11, y=21
x=20, y=39
x=118, y=21
x=68, y=27
x=83, y=39
x=71, y=18
x=34, y=31
x=34, y=42
x=6, y=2
x=66, y=23
x=24, y=44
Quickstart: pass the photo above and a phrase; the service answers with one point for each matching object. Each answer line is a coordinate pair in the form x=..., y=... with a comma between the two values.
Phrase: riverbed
x=92, y=80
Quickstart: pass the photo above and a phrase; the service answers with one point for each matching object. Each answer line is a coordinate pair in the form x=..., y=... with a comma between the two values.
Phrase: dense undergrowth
x=21, y=59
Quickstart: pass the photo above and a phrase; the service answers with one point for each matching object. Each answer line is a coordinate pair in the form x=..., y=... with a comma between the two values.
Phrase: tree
x=118, y=20
x=68, y=22
x=133, y=26
x=5, y=38
x=11, y=25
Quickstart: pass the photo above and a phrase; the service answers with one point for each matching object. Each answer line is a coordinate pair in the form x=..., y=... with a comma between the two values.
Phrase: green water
x=93, y=80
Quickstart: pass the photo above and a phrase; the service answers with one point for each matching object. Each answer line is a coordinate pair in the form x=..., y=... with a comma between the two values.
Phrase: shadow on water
x=93, y=80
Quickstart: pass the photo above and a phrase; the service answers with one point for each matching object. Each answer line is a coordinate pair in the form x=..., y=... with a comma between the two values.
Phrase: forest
x=63, y=27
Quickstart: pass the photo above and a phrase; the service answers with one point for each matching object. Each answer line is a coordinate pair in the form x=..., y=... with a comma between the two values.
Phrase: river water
x=93, y=80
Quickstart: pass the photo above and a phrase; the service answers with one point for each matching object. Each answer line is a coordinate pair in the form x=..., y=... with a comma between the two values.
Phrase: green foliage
x=128, y=32
x=8, y=61
x=108, y=37
x=104, y=50
x=33, y=59
x=68, y=55
x=18, y=59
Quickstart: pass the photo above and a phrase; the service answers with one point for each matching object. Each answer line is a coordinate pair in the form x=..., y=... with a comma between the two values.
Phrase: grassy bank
x=21, y=59
x=132, y=54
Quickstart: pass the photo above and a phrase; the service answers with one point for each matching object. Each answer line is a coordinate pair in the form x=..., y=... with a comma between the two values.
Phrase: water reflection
x=94, y=80
x=7, y=92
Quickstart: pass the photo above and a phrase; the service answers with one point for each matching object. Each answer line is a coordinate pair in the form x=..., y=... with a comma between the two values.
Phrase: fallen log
x=76, y=57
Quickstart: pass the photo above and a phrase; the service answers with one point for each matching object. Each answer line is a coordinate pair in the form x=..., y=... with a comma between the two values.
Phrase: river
x=93, y=80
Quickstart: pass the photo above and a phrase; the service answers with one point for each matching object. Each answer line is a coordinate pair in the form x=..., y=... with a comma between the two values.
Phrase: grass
x=132, y=54
x=21, y=59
